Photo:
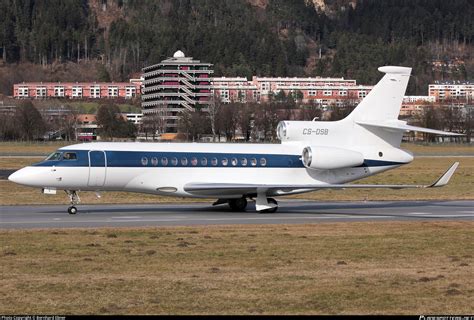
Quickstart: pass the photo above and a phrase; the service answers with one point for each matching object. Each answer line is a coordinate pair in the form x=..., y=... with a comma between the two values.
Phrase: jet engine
x=327, y=158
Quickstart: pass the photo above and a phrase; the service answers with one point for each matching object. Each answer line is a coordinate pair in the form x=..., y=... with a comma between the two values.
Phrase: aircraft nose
x=19, y=176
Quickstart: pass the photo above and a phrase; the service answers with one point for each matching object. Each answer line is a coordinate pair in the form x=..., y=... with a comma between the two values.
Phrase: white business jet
x=313, y=155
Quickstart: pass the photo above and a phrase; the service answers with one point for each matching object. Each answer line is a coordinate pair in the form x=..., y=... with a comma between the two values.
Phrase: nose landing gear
x=72, y=210
x=74, y=199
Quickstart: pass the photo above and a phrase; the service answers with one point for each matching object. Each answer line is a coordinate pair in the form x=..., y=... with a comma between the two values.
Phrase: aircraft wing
x=232, y=189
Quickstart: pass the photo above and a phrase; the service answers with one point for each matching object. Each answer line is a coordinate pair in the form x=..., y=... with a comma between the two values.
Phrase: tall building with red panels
x=175, y=85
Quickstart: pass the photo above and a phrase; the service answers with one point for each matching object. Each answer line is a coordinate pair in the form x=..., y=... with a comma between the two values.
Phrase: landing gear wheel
x=271, y=210
x=74, y=199
x=238, y=204
x=72, y=210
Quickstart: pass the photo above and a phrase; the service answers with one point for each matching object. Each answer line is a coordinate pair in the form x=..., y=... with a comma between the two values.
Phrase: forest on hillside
x=280, y=38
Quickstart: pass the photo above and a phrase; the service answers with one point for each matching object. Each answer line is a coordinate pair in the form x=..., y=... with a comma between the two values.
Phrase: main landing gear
x=74, y=199
x=262, y=204
x=238, y=204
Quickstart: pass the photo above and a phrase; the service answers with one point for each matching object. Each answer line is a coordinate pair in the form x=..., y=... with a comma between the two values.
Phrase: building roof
x=178, y=54
x=454, y=82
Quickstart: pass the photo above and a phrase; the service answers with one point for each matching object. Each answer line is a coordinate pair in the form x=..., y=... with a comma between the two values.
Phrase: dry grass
x=422, y=170
x=343, y=268
x=15, y=163
x=439, y=149
x=31, y=147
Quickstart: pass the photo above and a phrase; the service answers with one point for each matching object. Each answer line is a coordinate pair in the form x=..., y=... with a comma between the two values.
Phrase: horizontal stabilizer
x=231, y=189
x=402, y=126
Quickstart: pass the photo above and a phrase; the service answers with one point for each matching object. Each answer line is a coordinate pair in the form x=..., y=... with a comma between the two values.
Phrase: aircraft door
x=97, y=168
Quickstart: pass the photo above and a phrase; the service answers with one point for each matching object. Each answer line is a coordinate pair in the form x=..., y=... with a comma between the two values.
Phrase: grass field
x=343, y=268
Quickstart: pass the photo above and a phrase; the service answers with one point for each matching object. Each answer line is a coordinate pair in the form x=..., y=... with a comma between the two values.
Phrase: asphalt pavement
x=191, y=214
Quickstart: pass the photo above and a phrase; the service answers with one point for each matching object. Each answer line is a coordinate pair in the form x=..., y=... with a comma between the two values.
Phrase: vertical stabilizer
x=384, y=101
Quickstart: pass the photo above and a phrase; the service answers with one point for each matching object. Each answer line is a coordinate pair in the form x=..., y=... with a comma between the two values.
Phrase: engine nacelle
x=327, y=158
x=305, y=130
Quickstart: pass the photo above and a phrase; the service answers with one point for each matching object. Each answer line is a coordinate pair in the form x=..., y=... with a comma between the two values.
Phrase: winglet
x=444, y=179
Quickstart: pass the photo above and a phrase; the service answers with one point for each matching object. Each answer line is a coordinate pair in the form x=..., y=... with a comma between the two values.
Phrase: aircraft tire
x=72, y=210
x=238, y=204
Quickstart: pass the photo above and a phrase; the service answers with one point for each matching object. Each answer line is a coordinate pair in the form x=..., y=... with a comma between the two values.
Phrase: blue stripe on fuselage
x=129, y=159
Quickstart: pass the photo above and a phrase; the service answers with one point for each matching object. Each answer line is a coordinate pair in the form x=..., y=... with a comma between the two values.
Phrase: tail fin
x=384, y=101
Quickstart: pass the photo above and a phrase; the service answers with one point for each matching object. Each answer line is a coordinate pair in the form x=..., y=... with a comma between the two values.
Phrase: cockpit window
x=69, y=156
x=54, y=156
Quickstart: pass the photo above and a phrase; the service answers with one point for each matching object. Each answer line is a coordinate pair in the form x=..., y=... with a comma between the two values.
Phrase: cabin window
x=174, y=161
x=203, y=161
x=225, y=162
x=154, y=161
x=184, y=161
x=164, y=161
x=233, y=161
x=69, y=156
x=243, y=162
x=214, y=161
x=144, y=161
x=253, y=162
x=54, y=156
x=263, y=162
x=194, y=161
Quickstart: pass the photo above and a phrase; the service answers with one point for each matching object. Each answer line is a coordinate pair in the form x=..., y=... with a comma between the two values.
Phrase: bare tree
x=311, y=111
x=69, y=124
x=28, y=121
x=469, y=123
x=8, y=129
x=266, y=121
x=227, y=120
x=244, y=119
x=214, y=109
x=193, y=124
x=112, y=124
x=340, y=112
x=451, y=118
x=430, y=118
x=156, y=123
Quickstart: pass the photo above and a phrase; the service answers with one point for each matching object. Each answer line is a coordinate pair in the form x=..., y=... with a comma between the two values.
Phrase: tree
x=311, y=111
x=112, y=124
x=280, y=96
x=430, y=118
x=214, y=108
x=298, y=95
x=102, y=73
x=469, y=123
x=29, y=122
x=155, y=122
x=8, y=129
x=266, y=121
x=227, y=120
x=193, y=124
x=244, y=119
x=340, y=112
